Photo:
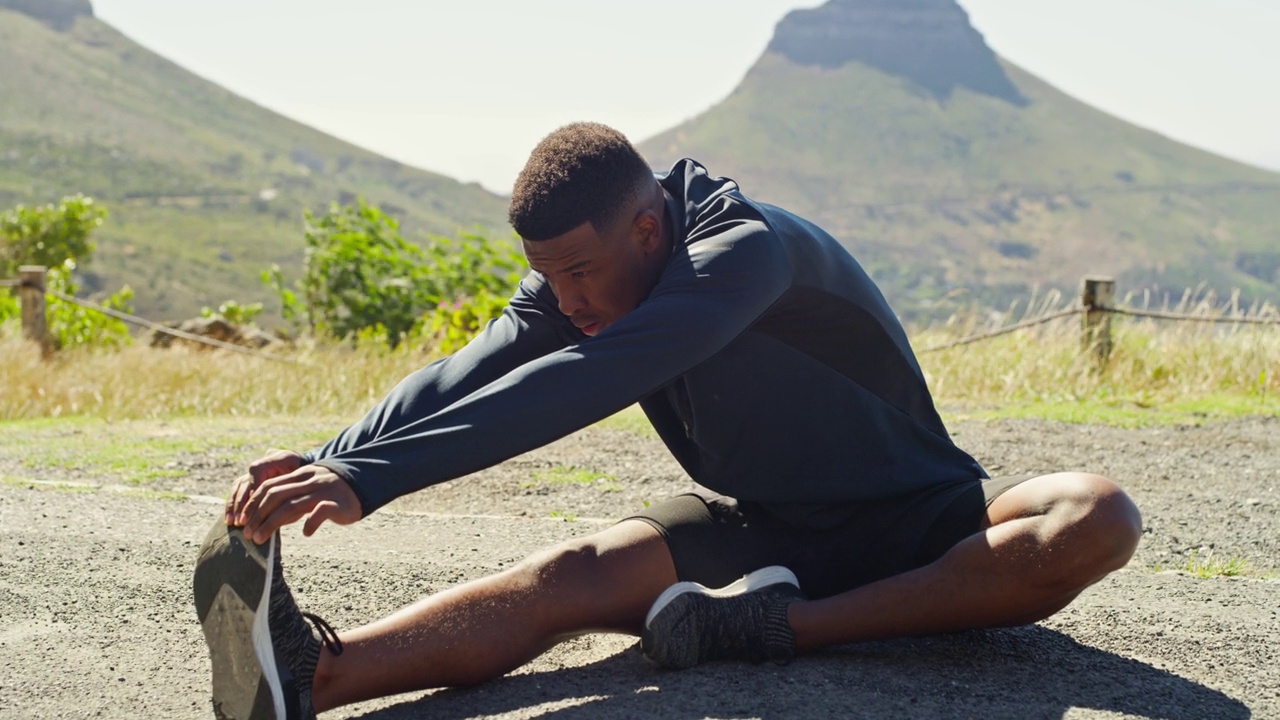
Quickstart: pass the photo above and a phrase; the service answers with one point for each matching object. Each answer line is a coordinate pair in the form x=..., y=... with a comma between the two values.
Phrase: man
x=837, y=508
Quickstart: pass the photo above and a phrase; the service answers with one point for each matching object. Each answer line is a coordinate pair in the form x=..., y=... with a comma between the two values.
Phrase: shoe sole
x=233, y=594
x=762, y=578
x=678, y=599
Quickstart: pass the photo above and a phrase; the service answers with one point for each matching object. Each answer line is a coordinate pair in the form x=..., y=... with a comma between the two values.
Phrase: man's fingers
x=239, y=496
x=313, y=492
x=274, y=464
x=260, y=489
x=286, y=513
x=269, y=499
x=323, y=511
x=244, y=499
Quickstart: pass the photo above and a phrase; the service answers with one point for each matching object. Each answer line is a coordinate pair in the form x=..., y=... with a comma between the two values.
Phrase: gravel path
x=96, y=618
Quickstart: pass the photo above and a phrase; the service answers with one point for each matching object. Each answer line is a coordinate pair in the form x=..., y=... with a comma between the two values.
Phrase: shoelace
x=327, y=634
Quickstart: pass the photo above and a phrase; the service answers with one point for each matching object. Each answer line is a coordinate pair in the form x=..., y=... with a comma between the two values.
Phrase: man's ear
x=648, y=228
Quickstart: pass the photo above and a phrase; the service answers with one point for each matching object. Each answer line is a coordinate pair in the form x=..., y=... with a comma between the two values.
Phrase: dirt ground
x=97, y=620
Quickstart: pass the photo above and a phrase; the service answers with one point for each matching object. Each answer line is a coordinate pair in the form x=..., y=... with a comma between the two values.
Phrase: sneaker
x=263, y=651
x=747, y=619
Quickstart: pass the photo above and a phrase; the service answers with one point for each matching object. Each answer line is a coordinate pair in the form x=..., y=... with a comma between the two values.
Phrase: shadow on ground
x=1028, y=672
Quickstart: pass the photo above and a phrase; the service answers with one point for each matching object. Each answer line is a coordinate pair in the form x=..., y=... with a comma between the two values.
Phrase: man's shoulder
x=705, y=202
x=714, y=208
x=706, y=197
x=691, y=182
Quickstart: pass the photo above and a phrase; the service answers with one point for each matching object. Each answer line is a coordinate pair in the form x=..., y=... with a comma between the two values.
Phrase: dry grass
x=1153, y=362
x=141, y=382
x=1235, y=369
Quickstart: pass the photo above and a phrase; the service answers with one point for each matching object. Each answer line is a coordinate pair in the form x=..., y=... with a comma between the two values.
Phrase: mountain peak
x=929, y=42
x=58, y=14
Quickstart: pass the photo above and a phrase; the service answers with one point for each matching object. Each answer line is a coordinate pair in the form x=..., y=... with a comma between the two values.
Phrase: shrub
x=48, y=235
x=10, y=306
x=58, y=237
x=361, y=280
x=234, y=313
x=72, y=325
x=454, y=324
x=471, y=265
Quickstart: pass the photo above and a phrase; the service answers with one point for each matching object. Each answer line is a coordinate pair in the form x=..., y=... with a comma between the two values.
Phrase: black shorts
x=715, y=539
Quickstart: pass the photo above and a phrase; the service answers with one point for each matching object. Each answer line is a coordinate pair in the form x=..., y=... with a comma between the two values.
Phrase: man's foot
x=747, y=619
x=263, y=651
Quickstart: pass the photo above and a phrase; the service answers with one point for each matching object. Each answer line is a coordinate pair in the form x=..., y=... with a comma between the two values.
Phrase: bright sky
x=467, y=87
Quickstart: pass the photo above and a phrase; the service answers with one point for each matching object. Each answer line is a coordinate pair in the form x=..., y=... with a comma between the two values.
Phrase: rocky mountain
x=57, y=14
x=928, y=42
x=958, y=177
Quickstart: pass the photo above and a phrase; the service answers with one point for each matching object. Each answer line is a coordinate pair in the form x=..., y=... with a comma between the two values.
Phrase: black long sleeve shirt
x=765, y=357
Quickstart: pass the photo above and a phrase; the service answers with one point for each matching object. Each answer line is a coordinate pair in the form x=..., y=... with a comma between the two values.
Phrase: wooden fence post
x=35, y=323
x=1098, y=296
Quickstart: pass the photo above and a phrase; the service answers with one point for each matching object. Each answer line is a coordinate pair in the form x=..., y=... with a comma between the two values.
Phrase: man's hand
x=274, y=464
x=279, y=490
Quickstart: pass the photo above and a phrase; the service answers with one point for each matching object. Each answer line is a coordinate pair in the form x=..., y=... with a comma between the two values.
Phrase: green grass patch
x=1229, y=406
x=148, y=494
x=56, y=487
x=631, y=419
x=1127, y=413
x=139, y=452
x=133, y=492
x=562, y=475
x=1206, y=566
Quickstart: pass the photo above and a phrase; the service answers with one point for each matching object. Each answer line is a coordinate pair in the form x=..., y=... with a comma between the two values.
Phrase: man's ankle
x=325, y=681
x=797, y=615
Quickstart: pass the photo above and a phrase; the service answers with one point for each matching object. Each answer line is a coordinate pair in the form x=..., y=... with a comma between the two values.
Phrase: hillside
x=944, y=167
x=205, y=189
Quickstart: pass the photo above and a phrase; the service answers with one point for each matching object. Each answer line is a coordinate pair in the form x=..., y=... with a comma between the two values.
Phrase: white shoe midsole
x=262, y=635
x=764, y=577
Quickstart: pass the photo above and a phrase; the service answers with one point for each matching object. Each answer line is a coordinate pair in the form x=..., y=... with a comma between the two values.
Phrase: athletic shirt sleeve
x=531, y=378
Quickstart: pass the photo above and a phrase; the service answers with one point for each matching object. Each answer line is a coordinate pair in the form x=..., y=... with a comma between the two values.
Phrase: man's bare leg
x=488, y=627
x=1047, y=539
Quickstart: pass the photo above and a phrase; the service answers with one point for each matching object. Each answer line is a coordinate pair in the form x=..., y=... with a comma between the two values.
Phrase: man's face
x=597, y=278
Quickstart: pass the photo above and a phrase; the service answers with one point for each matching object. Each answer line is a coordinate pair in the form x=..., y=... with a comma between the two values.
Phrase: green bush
x=471, y=265
x=72, y=325
x=10, y=306
x=58, y=237
x=234, y=313
x=362, y=281
x=453, y=324
x=48, y=235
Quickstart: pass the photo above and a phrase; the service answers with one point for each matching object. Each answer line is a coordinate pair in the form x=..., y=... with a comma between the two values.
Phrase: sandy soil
x=96, y=617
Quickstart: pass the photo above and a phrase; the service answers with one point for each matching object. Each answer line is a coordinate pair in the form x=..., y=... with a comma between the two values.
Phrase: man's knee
x=612, y=572
x=561, y=568
x=1085, y=526
x=1095, y=522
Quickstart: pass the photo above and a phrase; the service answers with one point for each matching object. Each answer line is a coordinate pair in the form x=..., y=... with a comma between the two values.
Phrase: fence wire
x=1131, y=312
x=142, y=322
x=1005, y=330
x=1158, y=315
